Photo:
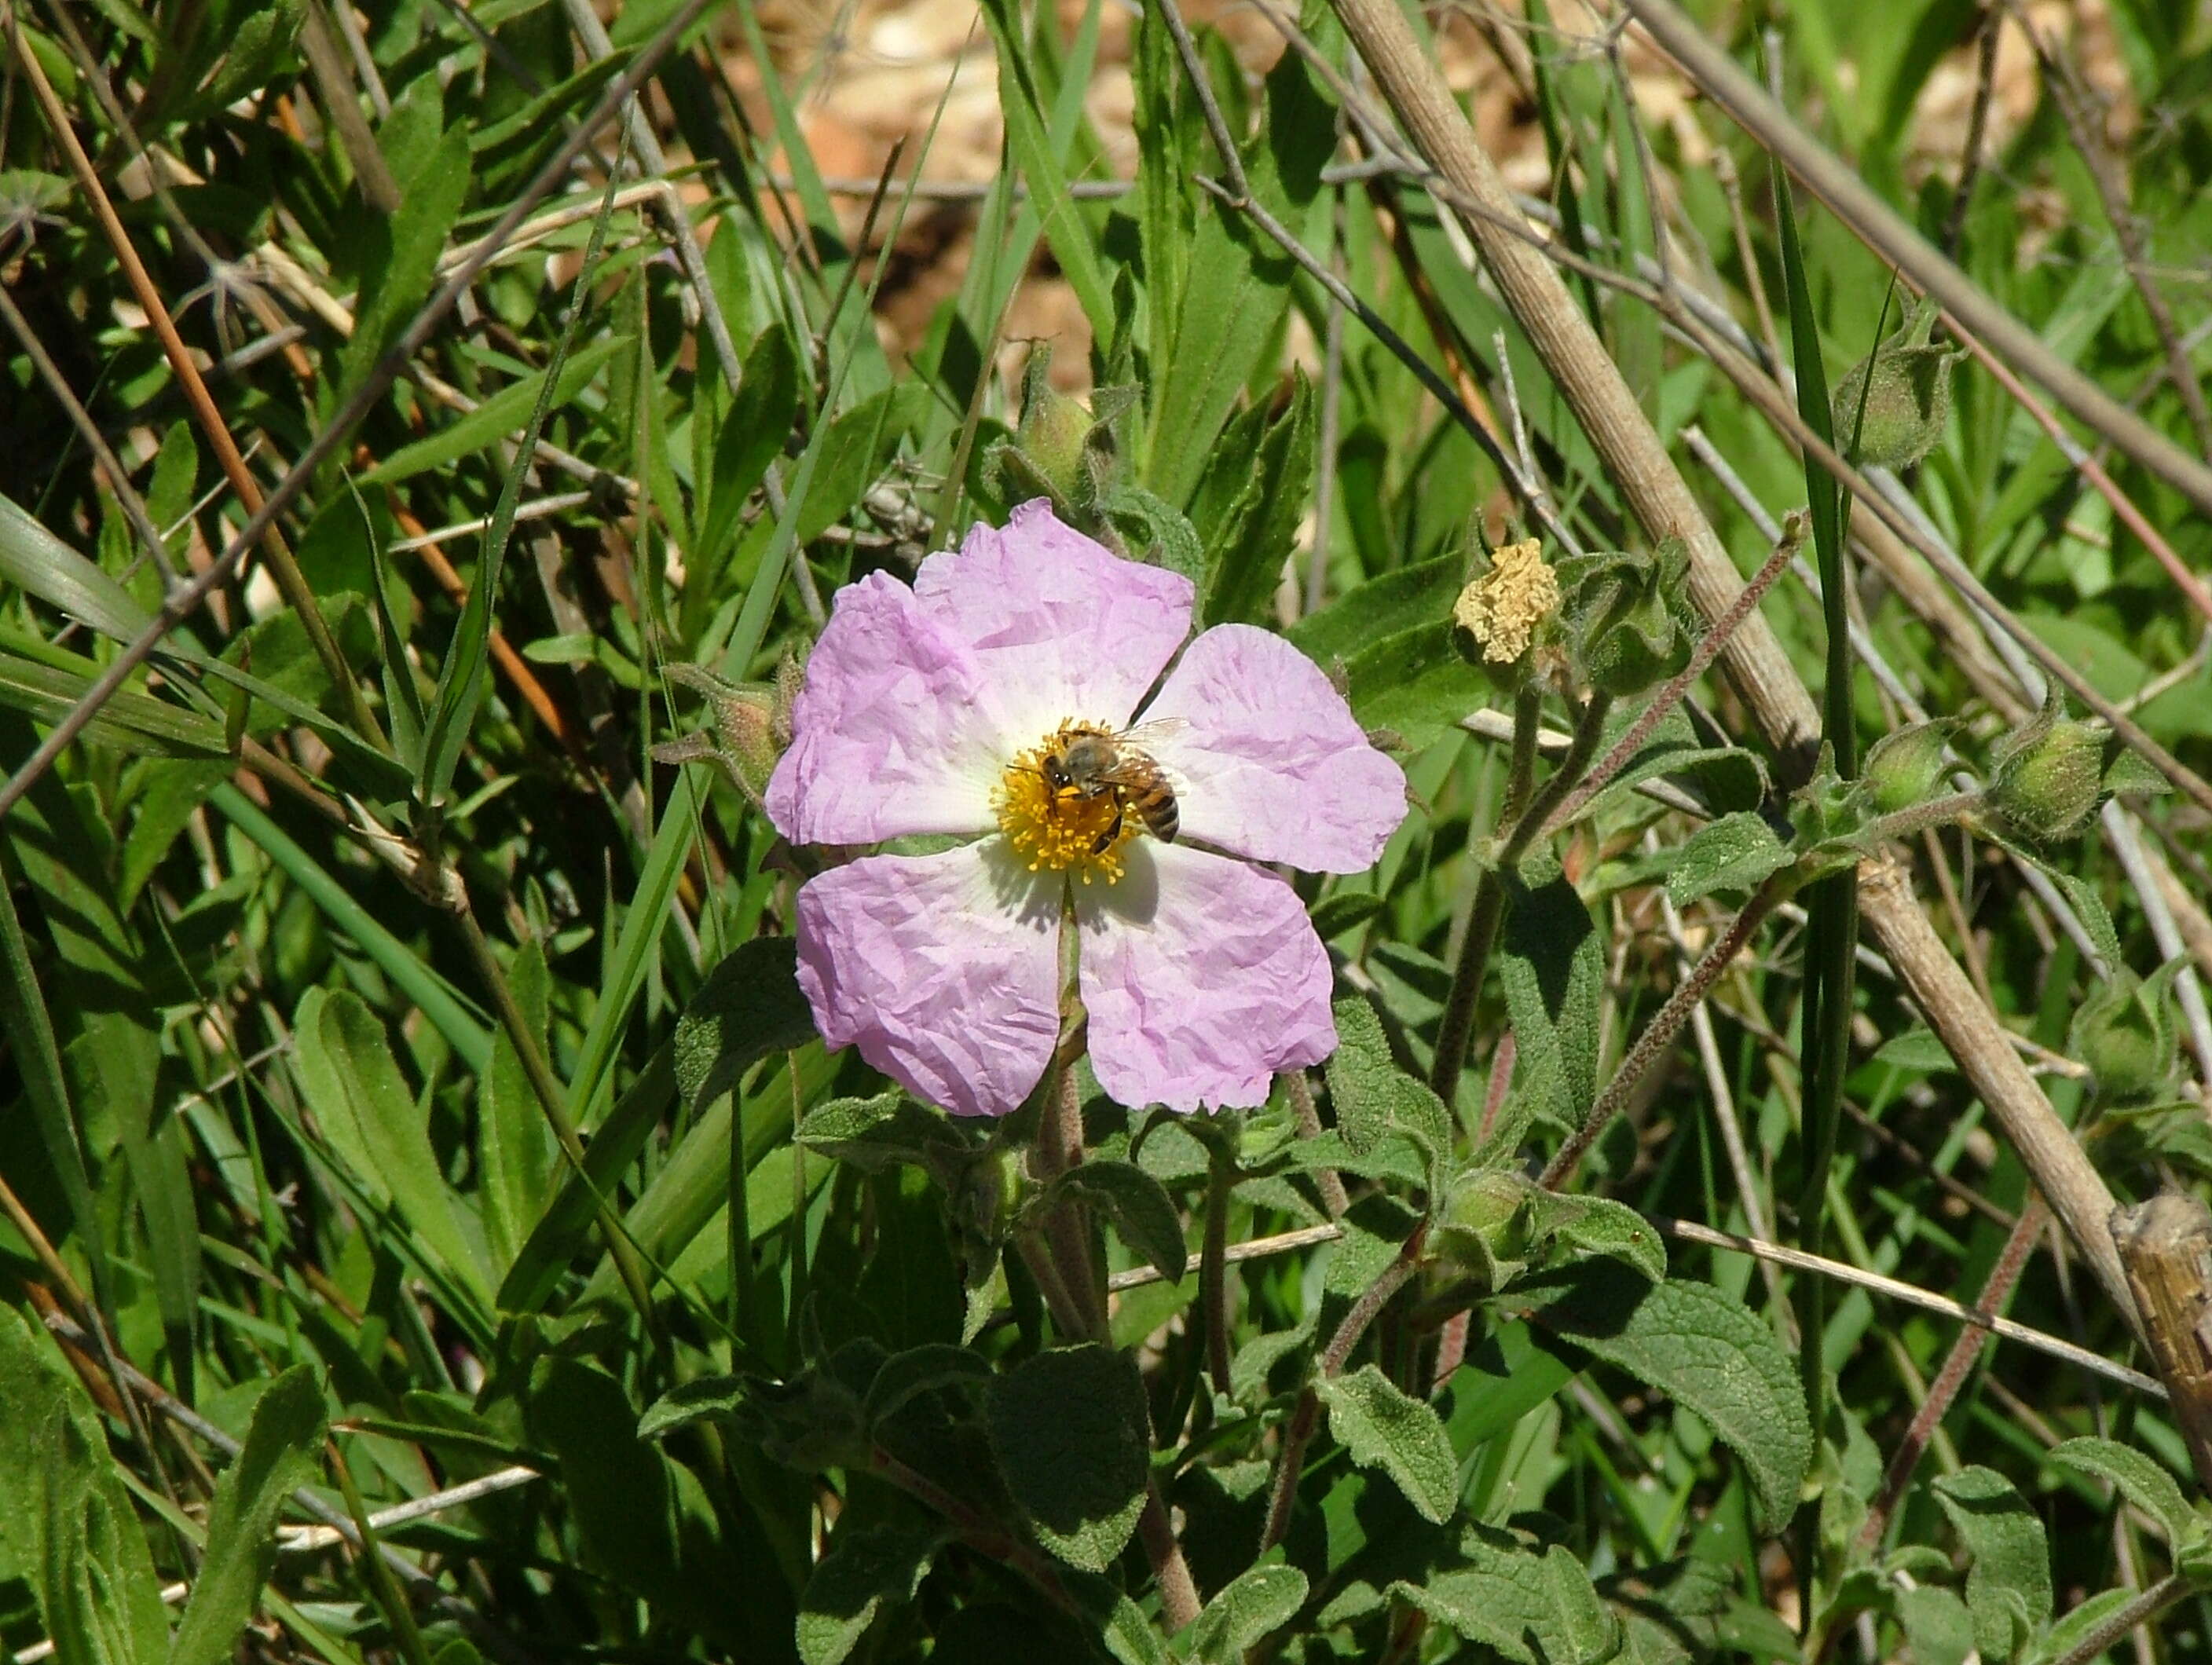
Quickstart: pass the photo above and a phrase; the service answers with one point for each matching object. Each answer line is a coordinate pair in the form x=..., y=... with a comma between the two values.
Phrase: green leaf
x=1236, y=286
x=1601, y=1225
x=1389, y=605
x=1416, y=684
x=1938, y=1627
x=1243, y=1613
x=351, y=1075
x=38, y=563
x=282, y=1444
x=867, y=1570
x=1070, y=1431
x=2146, y=1485
x=138, y=725
x=556, y=1237
x=1373, y=1097
x=876, y=1133
x=717, y=1396
x=1917, y=1049
x=1246, y=550
x=402, y=257
x=1700, y=1347
x=906, y=1375
x=1384, y=1427
x=1533, y=1608
x=749, y=1006
x=1736, y=853
x=29, y=1029
x=65, y=1523
x=499, y=417
x=751, y=438
x=516, y=1154
x=1043, y=166
x=2009, y=1584
x=644, y=1519
x=1346, y=910
x=1129, y=1636
x=1139, y=1206
x=1551, y=962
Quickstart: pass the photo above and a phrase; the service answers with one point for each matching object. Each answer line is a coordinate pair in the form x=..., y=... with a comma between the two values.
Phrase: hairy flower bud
x=1626, y=616
x=2048, y=779
x=1906, y=767
x=2125, y=1034
x=1063, y=449
x=1897, y=400
x=1485, y=1228
x=752, y=726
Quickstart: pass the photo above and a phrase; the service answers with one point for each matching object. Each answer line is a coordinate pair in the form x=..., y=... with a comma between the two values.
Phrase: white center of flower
x=1064, y=814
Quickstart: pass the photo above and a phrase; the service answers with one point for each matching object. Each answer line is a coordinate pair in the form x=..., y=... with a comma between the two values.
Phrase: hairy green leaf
x=1384, y=1427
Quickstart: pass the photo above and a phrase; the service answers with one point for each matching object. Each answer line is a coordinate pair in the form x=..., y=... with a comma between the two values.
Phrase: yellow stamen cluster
x=1059, y=831
x=1503, y=607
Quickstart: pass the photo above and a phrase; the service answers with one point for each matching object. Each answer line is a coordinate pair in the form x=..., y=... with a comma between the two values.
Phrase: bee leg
x=1105, y=841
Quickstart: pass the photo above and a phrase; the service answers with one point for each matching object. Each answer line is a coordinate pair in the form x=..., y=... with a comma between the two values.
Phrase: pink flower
x=933, y=709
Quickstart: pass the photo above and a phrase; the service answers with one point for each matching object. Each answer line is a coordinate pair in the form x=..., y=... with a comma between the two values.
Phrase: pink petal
x=943, y=970
x=1064, y=629
x=886, y=737
x=1203, y=978
x=1271, y=764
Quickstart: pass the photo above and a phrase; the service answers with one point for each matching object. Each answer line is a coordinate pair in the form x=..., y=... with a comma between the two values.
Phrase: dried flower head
x=1501, y=608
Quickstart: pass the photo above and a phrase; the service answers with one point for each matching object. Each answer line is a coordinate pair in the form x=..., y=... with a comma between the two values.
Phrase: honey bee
x=1092, y=763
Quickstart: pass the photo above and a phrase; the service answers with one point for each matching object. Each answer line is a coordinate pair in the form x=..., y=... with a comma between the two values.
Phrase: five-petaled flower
x=931, y=710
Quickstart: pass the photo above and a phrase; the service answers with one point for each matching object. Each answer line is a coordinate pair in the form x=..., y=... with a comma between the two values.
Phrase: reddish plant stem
x=1957, y=1365
x=1659, y=1034
x=1299, y=1090
x=1283, y=1494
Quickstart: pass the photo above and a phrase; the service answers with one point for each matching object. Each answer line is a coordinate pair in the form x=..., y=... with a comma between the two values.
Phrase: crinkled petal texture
x=887, y=739
x=1061, y=628
x=1203, y=978
x=1268, y=761
x=943, y=970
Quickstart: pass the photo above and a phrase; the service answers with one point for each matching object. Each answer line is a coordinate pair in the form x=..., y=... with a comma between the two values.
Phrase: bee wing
x=1150, y=733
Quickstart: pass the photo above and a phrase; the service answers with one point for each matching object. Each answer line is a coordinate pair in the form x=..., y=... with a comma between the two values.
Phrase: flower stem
x=1299, y=1090
x=1069, y=1270
x=1179, y=1603
x=1212, y=1264
x=1659, y=1034
x=1299, y=1431
x=1527, y=820
x=2146, y=1607
x=1913, y=818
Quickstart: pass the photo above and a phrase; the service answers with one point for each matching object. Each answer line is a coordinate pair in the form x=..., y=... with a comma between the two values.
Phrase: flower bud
x=1626, y=617
x=752, y=726
x=1062, y=450
x=1905, y=387
x=1906, y=767
x=2048, y=779
x=2125, y=1034
x=1485, y=1228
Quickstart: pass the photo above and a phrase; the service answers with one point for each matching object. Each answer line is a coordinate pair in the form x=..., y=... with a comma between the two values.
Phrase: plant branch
x=1633, y=456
